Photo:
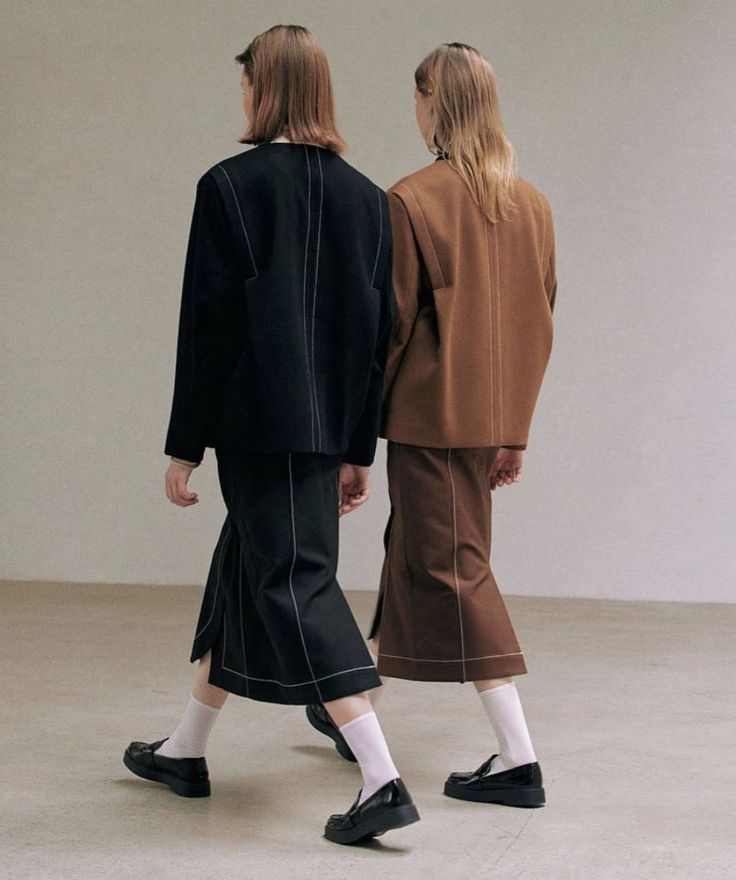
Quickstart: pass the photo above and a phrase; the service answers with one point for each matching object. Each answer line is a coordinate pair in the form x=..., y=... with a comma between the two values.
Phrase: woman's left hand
x=354, y=487
x=177, y=477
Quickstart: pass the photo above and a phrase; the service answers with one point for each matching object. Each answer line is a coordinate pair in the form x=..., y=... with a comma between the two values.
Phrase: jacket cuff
x=360, y=454
x=185, y=453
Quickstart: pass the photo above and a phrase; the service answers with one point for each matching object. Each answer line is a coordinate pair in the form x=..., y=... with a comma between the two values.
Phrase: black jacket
x=286, y=308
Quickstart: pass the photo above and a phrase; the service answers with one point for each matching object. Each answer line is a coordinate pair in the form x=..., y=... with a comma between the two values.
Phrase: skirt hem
x=475, y=670
x=341, y=684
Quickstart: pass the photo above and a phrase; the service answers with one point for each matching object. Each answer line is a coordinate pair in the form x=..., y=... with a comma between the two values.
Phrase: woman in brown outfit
x=475, y=284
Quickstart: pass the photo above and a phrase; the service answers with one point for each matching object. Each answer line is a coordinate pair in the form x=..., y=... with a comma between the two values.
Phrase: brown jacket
x=473, y=328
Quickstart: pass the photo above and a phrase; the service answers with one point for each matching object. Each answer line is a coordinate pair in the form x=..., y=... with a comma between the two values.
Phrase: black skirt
x=273, y=613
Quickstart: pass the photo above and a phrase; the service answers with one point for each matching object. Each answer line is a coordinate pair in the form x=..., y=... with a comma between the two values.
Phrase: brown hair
x=292, y=89
x=467, y=129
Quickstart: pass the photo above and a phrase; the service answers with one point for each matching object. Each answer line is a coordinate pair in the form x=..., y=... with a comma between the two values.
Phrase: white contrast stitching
x=426, y=229
x=499, y=362
x=313, y=681
x=217, y=585
x=299, y=683
x=380, y=237
x=304, y=284
x=291, y=573
x=242, y=222
x=454, y=556
x=459, y=660
x=314, y=299
x=492, y=396
x=240, y=609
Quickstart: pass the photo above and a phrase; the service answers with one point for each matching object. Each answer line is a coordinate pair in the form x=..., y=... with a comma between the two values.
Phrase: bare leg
x=488, y=683
x=348, y=708
x=204, y=691
x=377, y=693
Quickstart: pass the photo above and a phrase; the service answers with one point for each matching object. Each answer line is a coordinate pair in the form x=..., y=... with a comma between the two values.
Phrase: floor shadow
x=377, y=845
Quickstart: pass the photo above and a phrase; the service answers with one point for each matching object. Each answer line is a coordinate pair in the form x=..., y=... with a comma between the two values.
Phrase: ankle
x=190, y=737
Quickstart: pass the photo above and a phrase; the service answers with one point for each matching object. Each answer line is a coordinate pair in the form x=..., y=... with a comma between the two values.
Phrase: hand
x=354, y=489
x=506, y=467
x=177, y=477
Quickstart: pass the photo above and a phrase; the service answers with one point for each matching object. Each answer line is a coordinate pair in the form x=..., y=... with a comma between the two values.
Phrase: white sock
x=368, y=744
x=190, y=737
x=503, y=707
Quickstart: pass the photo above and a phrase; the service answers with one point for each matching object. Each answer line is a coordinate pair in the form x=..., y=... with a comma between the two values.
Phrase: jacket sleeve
x=550, y=281
x=206, y=274
x=406, y=282
x=362, y=449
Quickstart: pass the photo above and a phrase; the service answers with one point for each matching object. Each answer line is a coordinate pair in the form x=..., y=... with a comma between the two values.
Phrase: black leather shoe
x=518, y=787
x=187, y=777
x=320, y=720
x=390, y=807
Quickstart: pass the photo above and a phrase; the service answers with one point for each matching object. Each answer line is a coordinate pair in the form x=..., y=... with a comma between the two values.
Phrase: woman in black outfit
x=283, y=334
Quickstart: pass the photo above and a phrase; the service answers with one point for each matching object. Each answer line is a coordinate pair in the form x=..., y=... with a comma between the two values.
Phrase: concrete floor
x=631, y=707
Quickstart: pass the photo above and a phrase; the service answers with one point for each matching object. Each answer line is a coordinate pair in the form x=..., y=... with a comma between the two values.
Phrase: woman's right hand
x=506, y=468
x=176, y=479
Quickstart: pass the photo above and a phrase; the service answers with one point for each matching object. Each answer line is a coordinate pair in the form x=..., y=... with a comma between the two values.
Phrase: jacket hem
x=412, y=437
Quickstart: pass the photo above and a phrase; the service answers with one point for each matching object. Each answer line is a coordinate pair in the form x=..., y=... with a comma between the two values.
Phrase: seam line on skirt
x=217, y=585
x=291, y=584
x=240, y=609
x=459, y=660
x=235, y=491
x=298, y=683
x=275, y=680
x=454, y=557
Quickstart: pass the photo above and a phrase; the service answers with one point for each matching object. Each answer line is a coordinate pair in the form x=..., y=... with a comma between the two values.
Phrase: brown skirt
x=439, y=611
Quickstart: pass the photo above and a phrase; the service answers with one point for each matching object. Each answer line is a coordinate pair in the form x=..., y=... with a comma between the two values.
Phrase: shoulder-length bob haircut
x=466, y=127
x=292, y=89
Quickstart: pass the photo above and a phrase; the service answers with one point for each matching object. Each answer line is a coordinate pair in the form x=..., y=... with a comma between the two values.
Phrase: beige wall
x=620, y=114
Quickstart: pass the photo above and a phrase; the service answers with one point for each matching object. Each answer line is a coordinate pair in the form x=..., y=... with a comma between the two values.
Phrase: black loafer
x=187, y=777
x=320, y=720
x=518, y=787
x=390, y=807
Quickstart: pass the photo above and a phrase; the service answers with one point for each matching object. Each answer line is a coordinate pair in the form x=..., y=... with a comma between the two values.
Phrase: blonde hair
x=466, y=127
x=292, y=89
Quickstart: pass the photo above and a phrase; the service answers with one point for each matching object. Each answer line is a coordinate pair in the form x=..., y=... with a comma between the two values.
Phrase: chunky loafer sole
x=331, y=731
x=520, y=797
x=177, y=785
x=374, y=825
